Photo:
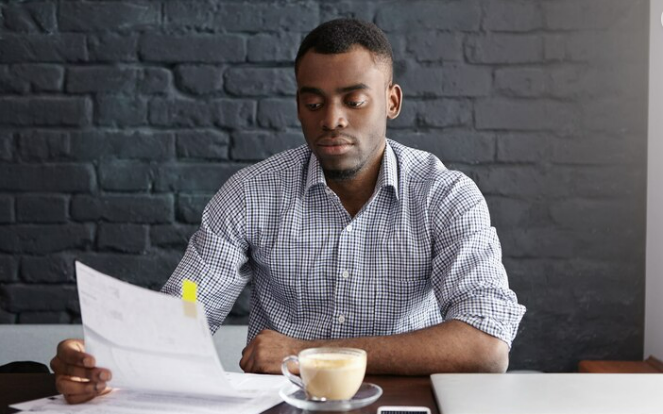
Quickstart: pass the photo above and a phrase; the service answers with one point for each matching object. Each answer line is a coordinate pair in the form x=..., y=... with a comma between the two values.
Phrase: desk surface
x=397, y=391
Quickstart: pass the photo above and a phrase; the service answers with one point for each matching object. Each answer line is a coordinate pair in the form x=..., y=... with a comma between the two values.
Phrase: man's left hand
x=265, y=353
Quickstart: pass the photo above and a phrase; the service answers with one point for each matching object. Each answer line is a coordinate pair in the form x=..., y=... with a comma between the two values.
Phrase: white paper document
x=147, y=339
x=263, y=387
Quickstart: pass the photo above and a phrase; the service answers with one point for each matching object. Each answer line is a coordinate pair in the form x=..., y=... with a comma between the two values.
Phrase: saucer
x=367, y=394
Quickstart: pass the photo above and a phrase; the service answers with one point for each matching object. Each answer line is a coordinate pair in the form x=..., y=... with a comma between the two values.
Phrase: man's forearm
x=449, y=347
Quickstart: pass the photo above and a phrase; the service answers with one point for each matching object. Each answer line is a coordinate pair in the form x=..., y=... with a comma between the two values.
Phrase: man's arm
x=452, y=346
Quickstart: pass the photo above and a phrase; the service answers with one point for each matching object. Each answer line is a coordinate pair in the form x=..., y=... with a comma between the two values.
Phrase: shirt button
x=341, y=319
x=345, y=274
x=349, y=228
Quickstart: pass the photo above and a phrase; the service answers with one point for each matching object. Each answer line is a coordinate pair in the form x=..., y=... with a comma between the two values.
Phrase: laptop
x=548, y=393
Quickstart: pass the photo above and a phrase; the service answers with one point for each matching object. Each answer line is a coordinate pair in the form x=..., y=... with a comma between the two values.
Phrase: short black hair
x=341, y=35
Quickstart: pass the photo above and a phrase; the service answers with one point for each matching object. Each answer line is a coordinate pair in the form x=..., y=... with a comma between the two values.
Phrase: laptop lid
x=548, y=393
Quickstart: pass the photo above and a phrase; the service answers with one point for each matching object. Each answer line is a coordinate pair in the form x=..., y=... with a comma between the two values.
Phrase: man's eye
x=355, y=104
x=313, y=106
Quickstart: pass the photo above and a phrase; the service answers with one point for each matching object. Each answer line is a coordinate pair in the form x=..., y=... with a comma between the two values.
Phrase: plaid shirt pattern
x=421, y=251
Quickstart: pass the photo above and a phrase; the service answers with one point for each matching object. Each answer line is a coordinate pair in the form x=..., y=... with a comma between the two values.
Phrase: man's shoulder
x=282, y=165
x=419, y=165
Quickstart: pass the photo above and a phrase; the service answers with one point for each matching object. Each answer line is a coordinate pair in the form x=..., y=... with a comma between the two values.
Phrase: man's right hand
x=76, y=374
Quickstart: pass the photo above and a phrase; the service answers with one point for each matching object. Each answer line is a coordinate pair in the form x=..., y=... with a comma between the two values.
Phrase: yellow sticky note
x=189, y=291
x=189, y=296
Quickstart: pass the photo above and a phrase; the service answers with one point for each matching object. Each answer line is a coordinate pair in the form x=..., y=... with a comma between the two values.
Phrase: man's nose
x=334, y=118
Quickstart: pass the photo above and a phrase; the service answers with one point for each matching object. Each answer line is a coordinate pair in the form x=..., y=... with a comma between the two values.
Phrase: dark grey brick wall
x=120, y=119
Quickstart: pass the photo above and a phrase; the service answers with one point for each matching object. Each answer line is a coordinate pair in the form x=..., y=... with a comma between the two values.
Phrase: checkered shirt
x=420, y=252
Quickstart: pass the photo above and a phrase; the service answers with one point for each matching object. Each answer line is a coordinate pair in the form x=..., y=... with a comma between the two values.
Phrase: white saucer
x=368, y=393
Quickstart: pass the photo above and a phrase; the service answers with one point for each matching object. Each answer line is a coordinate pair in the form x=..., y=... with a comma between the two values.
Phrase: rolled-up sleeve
x=468, y=276
x=217, y=255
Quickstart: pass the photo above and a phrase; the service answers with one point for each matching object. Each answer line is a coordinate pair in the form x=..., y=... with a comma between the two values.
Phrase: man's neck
x=355, y=192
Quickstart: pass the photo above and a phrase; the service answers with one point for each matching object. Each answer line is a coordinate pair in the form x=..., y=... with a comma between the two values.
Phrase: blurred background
x=120, y=119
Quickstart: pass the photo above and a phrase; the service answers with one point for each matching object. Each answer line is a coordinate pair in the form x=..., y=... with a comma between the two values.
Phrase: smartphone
x=403, y=409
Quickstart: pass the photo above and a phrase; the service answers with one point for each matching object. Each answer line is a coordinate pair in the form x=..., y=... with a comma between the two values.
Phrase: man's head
x=345, y=95
x=341, y=35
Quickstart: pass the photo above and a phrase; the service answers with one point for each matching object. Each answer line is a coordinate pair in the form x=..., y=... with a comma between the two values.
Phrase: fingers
x=76, y=376
x=72, y=351
x=77, y=390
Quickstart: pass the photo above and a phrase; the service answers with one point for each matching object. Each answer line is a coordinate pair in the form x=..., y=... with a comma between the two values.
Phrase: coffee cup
x=328, y=373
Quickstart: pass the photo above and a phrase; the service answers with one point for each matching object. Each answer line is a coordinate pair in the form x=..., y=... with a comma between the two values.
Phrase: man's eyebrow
x=345, y=89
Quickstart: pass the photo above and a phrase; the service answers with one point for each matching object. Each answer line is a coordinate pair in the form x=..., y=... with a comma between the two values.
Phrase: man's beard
x=342, y=175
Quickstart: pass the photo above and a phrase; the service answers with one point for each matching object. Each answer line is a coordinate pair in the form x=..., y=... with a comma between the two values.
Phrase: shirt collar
x=387, y=177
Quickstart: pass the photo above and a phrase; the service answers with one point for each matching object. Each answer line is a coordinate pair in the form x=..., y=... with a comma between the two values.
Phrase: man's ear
x=394, y=101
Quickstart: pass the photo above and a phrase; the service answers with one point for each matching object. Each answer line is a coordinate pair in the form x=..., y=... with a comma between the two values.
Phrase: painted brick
x=100, y=79
x=514, y=181
x=194, y=177
x=188, y=14
x=47, y=177
x=148, y=209
x=602, y=48
x=461, y=16
x=616, y=116
x=504, y=49
x=40, y=297
x=507, y=213
x=453, y=146
x=47, y=238
x=155, y=81
x=450, y=80
x=190, y=207
x=593, y=14
x=41, y=318
x=503, y=114
x=122, y=237
x=582, y=150
x=258, y=145
x=529, y=147
x=110, y=47
x=6, y=317
x=107, y=15
x=6, y=209
x=521, y=82
x=30, y=17
x=192, y=48
x=39, y=78
x=8, y=269
x=199, y=80
x=602, y=181
x=42, y=48
x=602, y=215
x=260, y=81
x=125, y=176
x=273, y=47
x=41, y=208
x=9, y=83
x=45, y=111
x=260, y=17
x=181, y=113
x=512, y=16
x=6, y=146
x=235, y=113
x=171, y=236
x=360, y=10
x=148, y=270
x=121, y=111
x=43, y=145
x=137, y=145
x=47, y=269
x=203, y=144
x=277, y=113
x=435, y=46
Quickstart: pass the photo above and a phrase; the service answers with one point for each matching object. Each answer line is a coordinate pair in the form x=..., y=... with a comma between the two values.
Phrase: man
x=352, y=240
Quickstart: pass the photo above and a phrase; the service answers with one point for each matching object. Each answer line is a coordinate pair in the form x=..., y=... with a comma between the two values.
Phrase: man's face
x=343, y=102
